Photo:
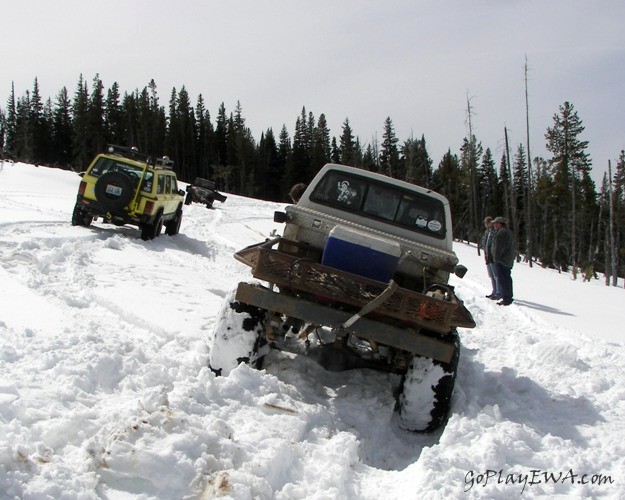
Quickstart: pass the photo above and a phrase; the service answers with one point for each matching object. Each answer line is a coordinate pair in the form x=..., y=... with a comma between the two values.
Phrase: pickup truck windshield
x=374, y=199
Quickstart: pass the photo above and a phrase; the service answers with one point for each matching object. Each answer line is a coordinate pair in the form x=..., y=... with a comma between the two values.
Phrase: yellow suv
x=123, y=186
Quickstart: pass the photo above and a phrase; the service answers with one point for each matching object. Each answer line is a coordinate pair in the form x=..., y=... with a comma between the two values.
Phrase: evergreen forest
x=559, y=217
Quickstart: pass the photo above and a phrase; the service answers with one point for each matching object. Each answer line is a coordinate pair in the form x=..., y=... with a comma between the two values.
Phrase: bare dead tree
x=528, y=206
x=613, y=245
x=472, y=172
x=513, y=195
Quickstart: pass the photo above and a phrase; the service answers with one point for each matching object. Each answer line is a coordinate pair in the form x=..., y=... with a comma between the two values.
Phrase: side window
x=160, y=187
x=146, y=186
x=174, y=185
x=168, y=184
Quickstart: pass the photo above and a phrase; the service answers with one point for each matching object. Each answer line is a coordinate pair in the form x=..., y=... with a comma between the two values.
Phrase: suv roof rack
x=133, y=153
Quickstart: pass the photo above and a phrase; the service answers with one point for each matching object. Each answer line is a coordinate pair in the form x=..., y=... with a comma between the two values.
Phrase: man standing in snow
x=487, y=245
x=503, y=256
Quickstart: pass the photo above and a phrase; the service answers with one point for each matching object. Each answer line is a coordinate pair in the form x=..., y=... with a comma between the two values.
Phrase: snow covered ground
x=105, y=390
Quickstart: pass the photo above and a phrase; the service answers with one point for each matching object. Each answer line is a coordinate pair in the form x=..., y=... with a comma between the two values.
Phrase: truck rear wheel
x=425, y=399
x=238, y=336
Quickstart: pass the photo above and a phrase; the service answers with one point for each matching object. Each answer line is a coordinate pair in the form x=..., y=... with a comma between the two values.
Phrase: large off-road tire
x=425, y=398
x=114, y=190
x=172, y=227
x=238, y=337
x=151, y=231
x=80, y=217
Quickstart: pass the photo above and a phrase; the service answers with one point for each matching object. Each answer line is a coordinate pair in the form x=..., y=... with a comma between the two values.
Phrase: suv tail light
x=82, y=188
x=149, y=205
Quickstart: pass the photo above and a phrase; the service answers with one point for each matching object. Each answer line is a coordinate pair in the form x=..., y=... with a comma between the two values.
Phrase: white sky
x=415, y=61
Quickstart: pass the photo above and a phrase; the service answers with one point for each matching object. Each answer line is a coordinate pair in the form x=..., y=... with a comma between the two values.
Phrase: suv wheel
x=173, y=226
x=238, y=336
x=80, y=217
x=151, y=231
x=114, y=190
x=425, y=398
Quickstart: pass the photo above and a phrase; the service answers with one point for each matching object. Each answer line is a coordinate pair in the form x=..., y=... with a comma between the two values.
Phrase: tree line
x=558, y=217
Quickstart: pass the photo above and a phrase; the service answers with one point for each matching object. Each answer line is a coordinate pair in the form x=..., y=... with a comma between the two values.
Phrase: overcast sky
x=416, y=61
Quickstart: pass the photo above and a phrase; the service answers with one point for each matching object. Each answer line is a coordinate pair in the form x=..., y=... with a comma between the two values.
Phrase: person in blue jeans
x=503, y=256
x=491, y=269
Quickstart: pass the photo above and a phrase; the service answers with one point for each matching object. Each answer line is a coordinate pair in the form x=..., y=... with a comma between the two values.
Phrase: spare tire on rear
x=114, y=190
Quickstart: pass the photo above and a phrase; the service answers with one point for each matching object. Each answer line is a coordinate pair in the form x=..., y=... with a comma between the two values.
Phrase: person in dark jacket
x=487, y=245
x=503, y=256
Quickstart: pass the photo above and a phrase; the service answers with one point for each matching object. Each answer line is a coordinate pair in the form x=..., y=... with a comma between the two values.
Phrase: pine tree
x=335, y=153
x=81, y=149
x=185, y=159
x=157, y=126
x=95, y=118
x=521, y=186
x=570, y=166
x=298, y=168
x=471, y=151
x=369, y=160
x=114, y=129
x=408, y=160
x=423, y=164
x=447, y=180
x=269, y=168
x=618, y=208
x=221, y=136
x=489, y=192
x=547, y=244
x=38, y=127
x=10, y=126
x=241, y=155
x=2, y=132
x=358, y=154
x=62, y=129
x=347, y=145
x=284, y=157
x=130, y=113
x=320, y=153
x=205, y=139
x=389, y=156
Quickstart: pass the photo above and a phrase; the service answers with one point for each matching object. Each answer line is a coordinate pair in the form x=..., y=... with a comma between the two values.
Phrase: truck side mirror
x=280, y=217
x=460, y=270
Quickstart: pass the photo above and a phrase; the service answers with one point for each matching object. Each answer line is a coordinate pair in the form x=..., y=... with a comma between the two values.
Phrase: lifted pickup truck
x=357, y=280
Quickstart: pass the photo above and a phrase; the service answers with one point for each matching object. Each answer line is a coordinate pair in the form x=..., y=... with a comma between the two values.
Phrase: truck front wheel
x=425, y=399
x=238, y=336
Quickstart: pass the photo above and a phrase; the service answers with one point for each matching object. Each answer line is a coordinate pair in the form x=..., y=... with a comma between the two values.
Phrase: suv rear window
x=104, y=165
x=381, y=201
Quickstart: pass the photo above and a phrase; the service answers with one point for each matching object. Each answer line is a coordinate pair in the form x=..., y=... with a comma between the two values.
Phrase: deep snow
x=105, y=390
